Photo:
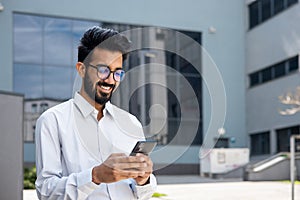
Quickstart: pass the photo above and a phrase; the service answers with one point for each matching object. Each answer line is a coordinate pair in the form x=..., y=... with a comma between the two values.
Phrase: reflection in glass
x=58, y=42
x=28, y=80
x=28, y=38
x=42, y=42
x=58, y=82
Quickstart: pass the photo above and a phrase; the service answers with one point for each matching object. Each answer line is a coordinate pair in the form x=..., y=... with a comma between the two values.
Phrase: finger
x=147, y=158
x=131, y=166
x=130, y=159
x=131, y=173
x=143, y=156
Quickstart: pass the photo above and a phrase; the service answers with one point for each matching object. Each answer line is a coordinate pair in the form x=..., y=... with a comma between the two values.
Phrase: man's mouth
x=106, y=87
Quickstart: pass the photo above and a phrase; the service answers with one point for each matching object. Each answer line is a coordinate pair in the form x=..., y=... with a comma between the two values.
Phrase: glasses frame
x=110, y=71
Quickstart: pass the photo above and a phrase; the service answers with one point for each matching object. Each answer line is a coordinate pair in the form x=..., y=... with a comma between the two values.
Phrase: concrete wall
x=11, y=146
x=279, y=171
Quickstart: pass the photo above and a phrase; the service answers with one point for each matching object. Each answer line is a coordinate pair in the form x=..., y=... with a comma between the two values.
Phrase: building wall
x=11, y=145
x=225, y=45
x=274, y=40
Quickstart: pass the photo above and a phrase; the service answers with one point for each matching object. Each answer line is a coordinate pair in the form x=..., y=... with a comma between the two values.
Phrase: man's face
x=101, y=90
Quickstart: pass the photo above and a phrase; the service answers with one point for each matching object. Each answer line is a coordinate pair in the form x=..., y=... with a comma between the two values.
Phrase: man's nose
x=110, y=79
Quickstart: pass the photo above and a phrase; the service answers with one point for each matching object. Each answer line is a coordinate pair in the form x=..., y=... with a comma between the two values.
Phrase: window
x=254, y=14
x=279, y=70
x=44, y=106
x=283, y=137
x=291, y=2
x=45, y=55
x=176, y=100
x=222, y=143
x=266, y=9
x=272, y=72
x=34, y=108
x=293, y=64
x=278, y=6
x=261, y=10
x=254, y=79
x=260, y=143
x=28, y=79
x=266, y=74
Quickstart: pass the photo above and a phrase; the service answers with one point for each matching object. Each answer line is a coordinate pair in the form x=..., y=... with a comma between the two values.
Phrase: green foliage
x=297, y=182
x=29, y=178
x=158, y=195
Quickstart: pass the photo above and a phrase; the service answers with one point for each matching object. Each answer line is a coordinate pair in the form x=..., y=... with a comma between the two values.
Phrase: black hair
x=102, y=38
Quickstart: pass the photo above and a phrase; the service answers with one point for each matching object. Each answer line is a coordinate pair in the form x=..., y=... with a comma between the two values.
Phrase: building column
x=273, y=142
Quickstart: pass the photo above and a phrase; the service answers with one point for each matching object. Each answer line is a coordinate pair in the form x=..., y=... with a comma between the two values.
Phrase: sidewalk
x=229, y=190
x=196, y=188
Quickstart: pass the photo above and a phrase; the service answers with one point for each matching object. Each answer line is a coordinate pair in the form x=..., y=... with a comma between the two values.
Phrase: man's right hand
x=117, y=167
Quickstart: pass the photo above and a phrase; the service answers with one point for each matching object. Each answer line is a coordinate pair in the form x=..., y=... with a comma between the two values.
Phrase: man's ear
x=80, y=67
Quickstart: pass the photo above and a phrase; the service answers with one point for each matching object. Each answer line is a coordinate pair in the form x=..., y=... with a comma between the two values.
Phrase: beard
x=92, y=92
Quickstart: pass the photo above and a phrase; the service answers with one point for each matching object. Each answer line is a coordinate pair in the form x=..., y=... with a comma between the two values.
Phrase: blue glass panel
x=28, y=80
x=28, y=38
x=58, y=42
x=58, y=82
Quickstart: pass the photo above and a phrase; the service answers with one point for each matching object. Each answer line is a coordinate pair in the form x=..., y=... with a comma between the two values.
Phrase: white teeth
x=105, y=88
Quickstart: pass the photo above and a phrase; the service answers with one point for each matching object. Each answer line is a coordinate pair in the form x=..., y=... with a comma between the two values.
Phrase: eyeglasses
x=104, y=72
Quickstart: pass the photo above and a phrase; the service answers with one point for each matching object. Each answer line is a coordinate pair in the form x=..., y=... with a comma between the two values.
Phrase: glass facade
x=260, y=143
x=45, y=54
x=283, y=138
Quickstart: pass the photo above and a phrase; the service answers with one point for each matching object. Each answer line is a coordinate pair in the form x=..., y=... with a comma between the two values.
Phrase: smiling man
x=83, y=145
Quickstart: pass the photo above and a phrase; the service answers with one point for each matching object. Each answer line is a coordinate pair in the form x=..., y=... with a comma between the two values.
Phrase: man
x=83, y=145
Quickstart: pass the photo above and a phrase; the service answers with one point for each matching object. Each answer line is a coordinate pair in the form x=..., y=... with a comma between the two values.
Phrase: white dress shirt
x=70, y=141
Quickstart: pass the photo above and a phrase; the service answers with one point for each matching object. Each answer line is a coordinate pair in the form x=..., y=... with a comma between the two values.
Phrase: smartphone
x=144, y=147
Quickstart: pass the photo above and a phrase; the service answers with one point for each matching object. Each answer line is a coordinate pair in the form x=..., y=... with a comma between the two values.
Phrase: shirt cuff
x=145, y=191
x=84, y=181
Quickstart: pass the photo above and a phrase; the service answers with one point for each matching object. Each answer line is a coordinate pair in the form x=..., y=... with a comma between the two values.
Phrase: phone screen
x=144, y=147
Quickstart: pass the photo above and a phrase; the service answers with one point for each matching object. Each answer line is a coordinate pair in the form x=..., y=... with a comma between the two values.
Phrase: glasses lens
x=119, y=75
x=103, y=72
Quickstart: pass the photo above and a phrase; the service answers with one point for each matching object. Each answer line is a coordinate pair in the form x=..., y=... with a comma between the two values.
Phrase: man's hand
x=118, y=166
x=142, y=180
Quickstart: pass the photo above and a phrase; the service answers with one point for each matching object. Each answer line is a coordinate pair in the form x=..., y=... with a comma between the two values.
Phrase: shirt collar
x=83, y=105
x=86, y=108
x=109, y=108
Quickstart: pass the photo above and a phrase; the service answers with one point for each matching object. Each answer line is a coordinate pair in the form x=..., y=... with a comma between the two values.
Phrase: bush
x=29, y=178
